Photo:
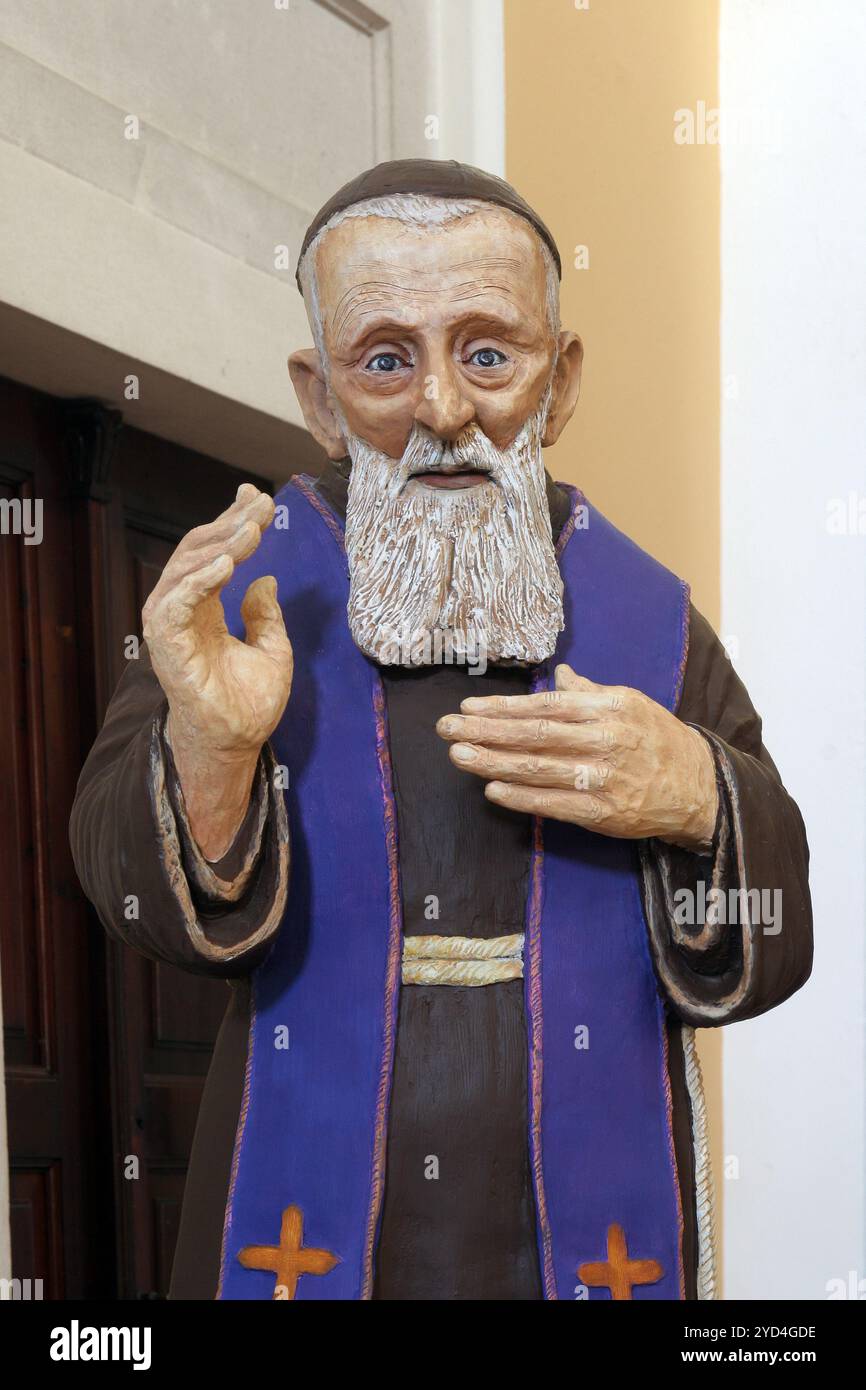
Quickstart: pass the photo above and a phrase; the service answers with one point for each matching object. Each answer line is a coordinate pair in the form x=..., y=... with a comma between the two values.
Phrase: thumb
x=567, y=679
x=263, y=618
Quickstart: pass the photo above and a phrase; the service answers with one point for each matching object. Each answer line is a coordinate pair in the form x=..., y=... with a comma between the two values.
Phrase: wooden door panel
x=48, y=957
x=35, y=1219
x=21, y=964
x=106, y=1052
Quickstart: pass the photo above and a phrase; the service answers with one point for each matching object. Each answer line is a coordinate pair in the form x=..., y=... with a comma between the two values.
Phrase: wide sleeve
x=139, y=864
x=731, y=931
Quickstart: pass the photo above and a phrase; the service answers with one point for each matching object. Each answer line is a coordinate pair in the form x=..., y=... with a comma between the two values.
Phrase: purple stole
x=313, y=1125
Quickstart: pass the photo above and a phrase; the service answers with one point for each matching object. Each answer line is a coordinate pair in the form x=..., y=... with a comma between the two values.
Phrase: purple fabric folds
x=313, y=1124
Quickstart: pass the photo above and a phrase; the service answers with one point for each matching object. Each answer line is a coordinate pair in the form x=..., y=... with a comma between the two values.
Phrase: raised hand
x=605, y=757
x=225, y=696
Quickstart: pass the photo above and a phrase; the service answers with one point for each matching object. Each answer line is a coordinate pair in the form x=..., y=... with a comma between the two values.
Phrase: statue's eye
x=385, y=362
x=487, y=357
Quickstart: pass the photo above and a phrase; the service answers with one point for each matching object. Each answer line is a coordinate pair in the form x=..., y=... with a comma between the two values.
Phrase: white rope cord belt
x=462, y=960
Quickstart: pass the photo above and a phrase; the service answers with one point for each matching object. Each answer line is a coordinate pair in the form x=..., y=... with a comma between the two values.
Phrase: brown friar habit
x=460, y=1072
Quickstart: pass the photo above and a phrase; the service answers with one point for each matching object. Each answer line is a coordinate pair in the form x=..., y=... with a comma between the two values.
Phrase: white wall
x=155, y=256
x=794, y=598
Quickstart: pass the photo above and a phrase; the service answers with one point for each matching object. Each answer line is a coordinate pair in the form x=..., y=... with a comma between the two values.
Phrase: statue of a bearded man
x=451, y=781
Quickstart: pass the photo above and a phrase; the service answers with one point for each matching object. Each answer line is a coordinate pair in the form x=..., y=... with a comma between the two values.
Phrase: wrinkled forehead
x=489, y=262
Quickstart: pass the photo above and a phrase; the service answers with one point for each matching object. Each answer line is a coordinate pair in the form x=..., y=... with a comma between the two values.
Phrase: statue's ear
x=308, y=379
x=566, y=386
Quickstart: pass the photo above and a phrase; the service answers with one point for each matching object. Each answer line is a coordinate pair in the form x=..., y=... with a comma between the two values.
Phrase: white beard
x=452, y=571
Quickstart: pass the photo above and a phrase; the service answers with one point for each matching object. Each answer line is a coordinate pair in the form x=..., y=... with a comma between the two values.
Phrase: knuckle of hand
x=631, y=737
x=171, y=618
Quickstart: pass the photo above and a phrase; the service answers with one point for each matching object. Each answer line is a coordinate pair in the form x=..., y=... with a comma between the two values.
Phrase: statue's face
x=444, y=327
x=443, y=383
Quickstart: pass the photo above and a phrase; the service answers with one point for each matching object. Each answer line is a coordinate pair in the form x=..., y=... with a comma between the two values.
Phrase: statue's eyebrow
x=379, y=328
x=365, y=296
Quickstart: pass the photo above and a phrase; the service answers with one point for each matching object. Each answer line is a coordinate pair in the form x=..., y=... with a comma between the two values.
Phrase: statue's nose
x=444, y=408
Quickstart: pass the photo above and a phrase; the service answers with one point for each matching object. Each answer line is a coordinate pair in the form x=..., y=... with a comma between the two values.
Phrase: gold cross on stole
x=618, y=1273
x=290, y=1259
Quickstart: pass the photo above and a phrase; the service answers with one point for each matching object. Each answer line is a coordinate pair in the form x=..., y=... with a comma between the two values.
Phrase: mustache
x=424, y=453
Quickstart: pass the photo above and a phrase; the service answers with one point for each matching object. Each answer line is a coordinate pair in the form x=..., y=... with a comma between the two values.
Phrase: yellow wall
x=590, y=101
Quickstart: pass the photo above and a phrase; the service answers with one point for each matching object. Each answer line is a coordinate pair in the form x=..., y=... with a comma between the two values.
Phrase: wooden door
x=50, y=957
x=106, y=1051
